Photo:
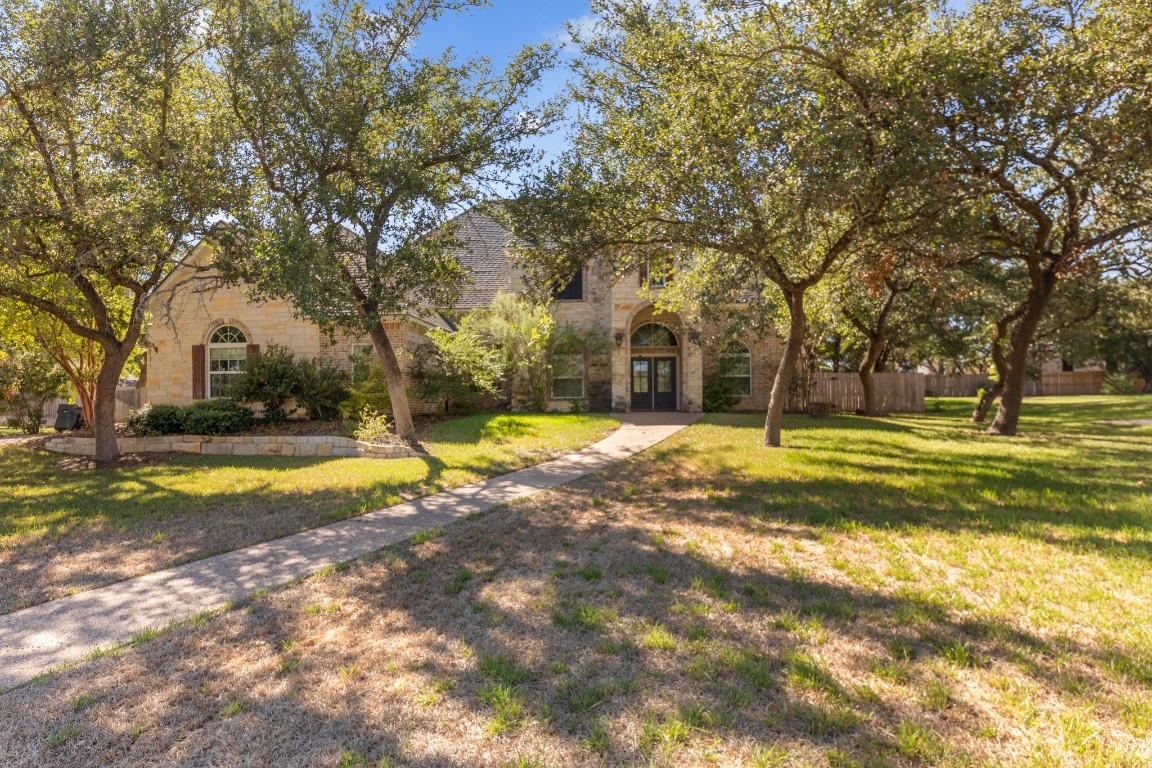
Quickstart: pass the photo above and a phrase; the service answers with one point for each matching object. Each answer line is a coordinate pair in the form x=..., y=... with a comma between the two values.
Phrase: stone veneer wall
x=243, y=445
x=191, y=305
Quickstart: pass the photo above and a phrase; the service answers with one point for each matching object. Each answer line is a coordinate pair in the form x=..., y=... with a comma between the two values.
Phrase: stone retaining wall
x=244, y=445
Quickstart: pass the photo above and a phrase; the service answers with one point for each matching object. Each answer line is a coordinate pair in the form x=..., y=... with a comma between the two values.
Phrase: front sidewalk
x=44, y=636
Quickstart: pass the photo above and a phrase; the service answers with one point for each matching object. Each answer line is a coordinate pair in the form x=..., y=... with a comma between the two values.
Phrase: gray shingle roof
x=484, y=256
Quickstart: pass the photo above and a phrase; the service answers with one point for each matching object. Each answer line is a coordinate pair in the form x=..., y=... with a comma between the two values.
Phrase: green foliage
x=217, y=417
x=373, y=427
x=28, y=380
x=274, y=376
x=321, y=387
x=719, y=389
x=269, y=378
x=367, y=396
x=456, y=369
x=521, y=331
x=514, y=338
x=1119, y=384
x=155, y=419
x=117, y=152
x=363, y=148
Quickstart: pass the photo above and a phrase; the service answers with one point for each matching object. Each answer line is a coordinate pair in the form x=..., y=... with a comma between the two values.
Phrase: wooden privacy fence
x=957, y=385
x=896, y=392
x=1070, y=383
x=127, y=399
x=1050, y=383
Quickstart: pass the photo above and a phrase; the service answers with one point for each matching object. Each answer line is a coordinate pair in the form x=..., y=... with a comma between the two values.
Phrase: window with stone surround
x=573, y=290
x=568, y=377
x=227, y=354
x=736, y=366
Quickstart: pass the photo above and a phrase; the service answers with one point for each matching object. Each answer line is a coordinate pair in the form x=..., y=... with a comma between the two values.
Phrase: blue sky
x=503, y=28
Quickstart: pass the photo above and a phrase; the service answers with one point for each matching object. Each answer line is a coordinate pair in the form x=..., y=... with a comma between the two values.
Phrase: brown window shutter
x=198, y=370
x=644, y=275
x=253, y=350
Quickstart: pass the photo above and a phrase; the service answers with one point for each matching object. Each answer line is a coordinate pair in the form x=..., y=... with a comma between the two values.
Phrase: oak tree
x=361, y=149
x=114, y=161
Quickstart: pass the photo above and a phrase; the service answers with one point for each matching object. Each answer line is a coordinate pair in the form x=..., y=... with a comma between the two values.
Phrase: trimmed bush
x=321, y=387
x=269, y=378
x=152, y=420
x=370, y=394
x=217, y=417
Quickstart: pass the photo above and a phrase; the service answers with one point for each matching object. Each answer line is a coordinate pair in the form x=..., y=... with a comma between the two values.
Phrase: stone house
x=201, y=333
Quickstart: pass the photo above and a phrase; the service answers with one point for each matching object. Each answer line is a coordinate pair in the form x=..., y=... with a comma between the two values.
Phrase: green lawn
x=892, y=592
x=120, y=521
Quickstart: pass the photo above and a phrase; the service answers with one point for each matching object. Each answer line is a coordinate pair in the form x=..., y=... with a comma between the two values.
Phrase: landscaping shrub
x=217, y=417
x=321, y=387
x=720, y=389
x=441, y=374
x=1118, y=383
x=154, y=420
x=370, y=394
x=269, y=378
x=374, y=427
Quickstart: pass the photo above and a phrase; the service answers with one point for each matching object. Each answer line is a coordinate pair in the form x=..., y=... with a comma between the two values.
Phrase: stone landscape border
x=237, y=445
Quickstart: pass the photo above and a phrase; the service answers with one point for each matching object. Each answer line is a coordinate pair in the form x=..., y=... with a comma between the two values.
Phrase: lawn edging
x=238, y=445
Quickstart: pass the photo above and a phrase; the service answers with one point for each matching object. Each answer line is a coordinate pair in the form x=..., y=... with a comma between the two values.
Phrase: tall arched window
x=653, y=335
x=736, y=367
x=227, y=353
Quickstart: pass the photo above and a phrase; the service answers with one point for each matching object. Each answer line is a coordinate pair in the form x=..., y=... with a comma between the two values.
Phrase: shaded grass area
x=62, y=532
x=896, y=592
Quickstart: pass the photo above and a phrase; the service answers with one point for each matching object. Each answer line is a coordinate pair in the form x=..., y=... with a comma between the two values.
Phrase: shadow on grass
x=613, y=627
x=621, y=646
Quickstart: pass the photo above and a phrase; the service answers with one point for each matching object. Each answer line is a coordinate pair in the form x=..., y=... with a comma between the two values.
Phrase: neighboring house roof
x=484, y=255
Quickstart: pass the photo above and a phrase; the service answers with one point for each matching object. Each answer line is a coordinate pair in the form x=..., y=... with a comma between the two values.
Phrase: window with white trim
x=736, y=367
x=227, y=354
x=568, y=377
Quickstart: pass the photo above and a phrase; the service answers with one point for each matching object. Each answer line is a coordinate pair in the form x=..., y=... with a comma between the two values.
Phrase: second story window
x=573, y=290
x=655, y=273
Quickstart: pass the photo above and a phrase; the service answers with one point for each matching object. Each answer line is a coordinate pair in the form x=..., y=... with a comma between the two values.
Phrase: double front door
x=654, y=384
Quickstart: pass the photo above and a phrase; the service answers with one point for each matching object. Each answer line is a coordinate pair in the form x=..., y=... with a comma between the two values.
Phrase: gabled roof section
x=484, y=255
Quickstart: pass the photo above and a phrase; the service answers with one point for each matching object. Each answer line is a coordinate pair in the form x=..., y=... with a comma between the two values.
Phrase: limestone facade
x=192, y=304
x=190, y=307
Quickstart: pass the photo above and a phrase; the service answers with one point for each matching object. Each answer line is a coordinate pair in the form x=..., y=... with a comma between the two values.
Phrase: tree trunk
x=1016, y=361
x=87, y=402
x=985, y=404
x=783, y=381
x=867, y=367
x=394, y=378
x=105, y=406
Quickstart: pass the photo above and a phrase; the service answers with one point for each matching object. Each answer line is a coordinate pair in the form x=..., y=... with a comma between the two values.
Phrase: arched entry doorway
x=655, y=375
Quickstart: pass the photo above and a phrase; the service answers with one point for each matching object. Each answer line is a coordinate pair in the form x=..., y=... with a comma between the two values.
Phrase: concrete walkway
x=38, y=638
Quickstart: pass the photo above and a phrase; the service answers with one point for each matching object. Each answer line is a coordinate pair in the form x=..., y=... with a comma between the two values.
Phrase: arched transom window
x=653, y=335
x=227, y=353
x=736, y=367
